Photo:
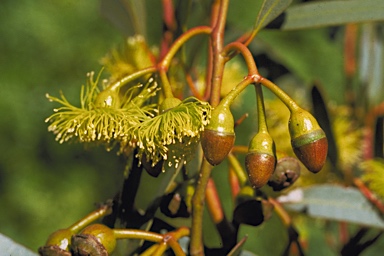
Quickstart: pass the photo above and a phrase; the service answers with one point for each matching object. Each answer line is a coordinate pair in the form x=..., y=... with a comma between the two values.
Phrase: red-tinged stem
x=217, y=38
x=215, y=9
x=238, y=169
x=288, y=101
x=369, y=195
x=284, y=216
x=247, y=55
x=169, y=14
x=233, y=183
x=344, y=235
x=192, y=87
x=350, y=49
x=166, y=61
x=213, y=202
x=241, y=119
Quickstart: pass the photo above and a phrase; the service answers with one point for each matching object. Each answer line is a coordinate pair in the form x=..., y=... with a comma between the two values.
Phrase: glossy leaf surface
x=332, y=13
x=335, y=203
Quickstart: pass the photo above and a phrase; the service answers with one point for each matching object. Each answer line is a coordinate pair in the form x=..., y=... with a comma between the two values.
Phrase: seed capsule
x=96, y=239
x=286, y=173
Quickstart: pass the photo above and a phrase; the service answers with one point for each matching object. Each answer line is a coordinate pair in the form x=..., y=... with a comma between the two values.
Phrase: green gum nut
x=260, y=160
x=308, y=140
x=107, y=98
x=218, y=137
x=61, y=238
x=96, y=239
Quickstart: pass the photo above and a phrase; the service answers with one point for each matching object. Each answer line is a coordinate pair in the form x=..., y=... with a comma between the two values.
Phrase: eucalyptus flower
x=174, y=133
x=104, y=116
x=373, y=170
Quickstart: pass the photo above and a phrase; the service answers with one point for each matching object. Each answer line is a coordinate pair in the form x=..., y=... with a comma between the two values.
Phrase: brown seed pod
x=287, y=171
x=96, y=239
x=53, y=250
x=85, y=245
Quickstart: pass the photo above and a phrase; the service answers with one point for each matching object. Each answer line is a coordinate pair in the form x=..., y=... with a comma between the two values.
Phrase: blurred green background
x=47, y=46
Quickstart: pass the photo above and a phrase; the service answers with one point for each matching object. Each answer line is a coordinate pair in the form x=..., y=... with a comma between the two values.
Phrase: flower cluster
x=109, y=118
x=173, y=134
x=103, y=116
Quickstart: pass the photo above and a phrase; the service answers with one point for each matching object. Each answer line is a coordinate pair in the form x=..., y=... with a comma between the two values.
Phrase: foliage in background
x=49, y=46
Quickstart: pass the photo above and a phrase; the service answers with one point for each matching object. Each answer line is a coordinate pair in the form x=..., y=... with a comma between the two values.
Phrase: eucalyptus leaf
x=310, y=55
x=269, y=11
x=333, y=202
x=9, y=247
x=332, y=13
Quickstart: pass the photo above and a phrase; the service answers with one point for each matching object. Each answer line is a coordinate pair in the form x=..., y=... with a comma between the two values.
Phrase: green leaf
x=335, y=203
x=269, y=11
x=236, y=250
x=309, y=55
x=9, y=247
x=332, y=13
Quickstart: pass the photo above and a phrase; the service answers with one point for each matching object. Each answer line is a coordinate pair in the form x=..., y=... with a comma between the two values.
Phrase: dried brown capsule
x=287, y=171
x=53, y=250
x=96, y=239
x=308, y=140
x=218, y=137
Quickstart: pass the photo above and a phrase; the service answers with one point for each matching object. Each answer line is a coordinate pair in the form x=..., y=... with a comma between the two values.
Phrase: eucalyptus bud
x=60, y=238
x=260, y=160
x=308, y=140
x=218, y=136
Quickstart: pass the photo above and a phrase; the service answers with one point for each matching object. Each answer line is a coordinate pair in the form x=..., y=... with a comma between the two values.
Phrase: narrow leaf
x=269, y=11
x=321, y=114
x=9, y=247
x=335, y=203
x=332, y=13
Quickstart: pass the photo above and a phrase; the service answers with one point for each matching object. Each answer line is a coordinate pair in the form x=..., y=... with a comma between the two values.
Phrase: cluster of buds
x=308, y=141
